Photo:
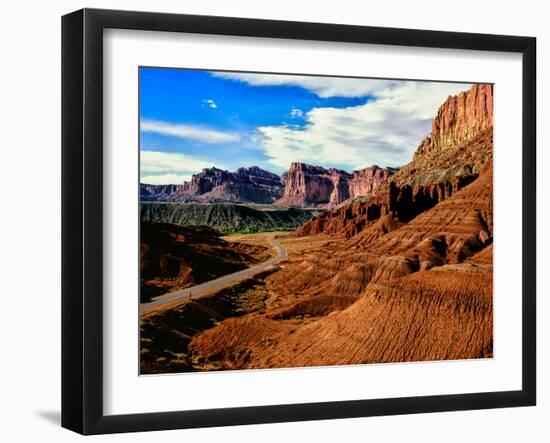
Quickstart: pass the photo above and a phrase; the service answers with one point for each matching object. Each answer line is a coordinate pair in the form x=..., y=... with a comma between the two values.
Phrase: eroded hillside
x=174, y=257
x=416, y=293
x=226, y=217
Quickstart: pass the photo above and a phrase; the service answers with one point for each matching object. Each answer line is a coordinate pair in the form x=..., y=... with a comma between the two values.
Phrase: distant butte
x=302, y=186
x=307, y=185
x=214, y=185
x=446, y=160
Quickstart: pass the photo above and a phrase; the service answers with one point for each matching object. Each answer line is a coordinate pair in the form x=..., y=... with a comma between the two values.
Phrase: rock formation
x=212, y=185
x=159, y=192
x=459, y=119
x=302, y=186
x=307, y=185
x=364, y=181
x=418, y=291
x=174, y=257
x=449, y=158
x=207, y=180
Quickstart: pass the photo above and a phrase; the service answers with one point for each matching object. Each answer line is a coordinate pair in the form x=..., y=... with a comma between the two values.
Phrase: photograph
x=267, y=222
x=296, y=220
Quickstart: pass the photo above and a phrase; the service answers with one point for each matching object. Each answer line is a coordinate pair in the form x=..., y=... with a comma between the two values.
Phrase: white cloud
x=210, y=103
x=322, y=86
x=164, y=179
x=200, y=133
x=158, y=167
x=384, y=131
x=160, y=162
x=297, y=113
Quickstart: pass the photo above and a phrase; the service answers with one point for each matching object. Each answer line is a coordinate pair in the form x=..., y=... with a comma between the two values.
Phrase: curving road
x=172, y=299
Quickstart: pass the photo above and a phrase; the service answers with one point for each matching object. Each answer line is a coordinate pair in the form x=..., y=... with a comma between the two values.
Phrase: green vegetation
x=227, y=218
x=256, y=229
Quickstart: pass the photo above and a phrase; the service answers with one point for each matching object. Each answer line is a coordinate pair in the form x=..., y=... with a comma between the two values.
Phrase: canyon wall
x=457, y=150
x=459, y=119
x=307, y=185
x=214, y=185
x=302, y=186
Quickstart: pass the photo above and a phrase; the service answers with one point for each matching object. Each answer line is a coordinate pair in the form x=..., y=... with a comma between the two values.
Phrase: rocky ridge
x=395, y=292
x=449, y=158
x=303, y=186
x=174, y=257
x=308, y=185
x=212, y=185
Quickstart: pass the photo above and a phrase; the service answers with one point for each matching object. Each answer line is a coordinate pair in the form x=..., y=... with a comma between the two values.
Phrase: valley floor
x=263, y=242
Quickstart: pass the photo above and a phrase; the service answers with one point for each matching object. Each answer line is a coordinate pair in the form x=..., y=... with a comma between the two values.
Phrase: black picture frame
x=82, y=218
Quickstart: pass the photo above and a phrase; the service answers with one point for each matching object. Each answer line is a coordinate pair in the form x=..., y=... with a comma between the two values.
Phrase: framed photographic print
x=269, y=221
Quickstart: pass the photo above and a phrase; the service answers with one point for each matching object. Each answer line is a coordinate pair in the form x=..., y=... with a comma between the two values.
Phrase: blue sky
x=192, y=119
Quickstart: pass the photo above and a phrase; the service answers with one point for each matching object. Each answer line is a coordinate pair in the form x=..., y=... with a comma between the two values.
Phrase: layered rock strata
x=307, y=185
x=449, y=158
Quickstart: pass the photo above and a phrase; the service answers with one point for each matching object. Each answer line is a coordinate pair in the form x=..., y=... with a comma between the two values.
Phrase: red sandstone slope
x=420, y=292
x=175, y=257
x=449, y=233
x=405, y=275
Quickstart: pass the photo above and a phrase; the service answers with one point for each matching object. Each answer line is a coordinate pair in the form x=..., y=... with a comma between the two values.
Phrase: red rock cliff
x=307, y=185
x=212, y=185
x=459, y=119
x=367, y=180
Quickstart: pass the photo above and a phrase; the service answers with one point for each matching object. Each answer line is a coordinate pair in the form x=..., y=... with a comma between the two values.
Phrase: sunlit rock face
x=308, y=185
x=214, y=185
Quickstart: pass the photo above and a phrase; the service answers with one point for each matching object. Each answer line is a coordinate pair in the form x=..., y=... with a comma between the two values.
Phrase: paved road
x=172, y=298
